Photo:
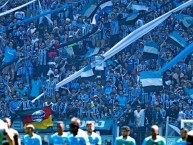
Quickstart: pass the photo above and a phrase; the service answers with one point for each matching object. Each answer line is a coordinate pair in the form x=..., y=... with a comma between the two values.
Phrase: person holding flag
x=125, y=139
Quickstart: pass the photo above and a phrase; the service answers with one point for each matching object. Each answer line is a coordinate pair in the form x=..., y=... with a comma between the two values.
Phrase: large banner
x=40, y=118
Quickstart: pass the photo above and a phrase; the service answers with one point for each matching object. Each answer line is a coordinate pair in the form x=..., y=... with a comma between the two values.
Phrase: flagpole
x=166, y=134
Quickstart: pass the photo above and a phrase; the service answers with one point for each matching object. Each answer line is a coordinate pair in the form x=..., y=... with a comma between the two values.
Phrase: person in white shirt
x=94, y=138
x=139, y=118
x=139, y=115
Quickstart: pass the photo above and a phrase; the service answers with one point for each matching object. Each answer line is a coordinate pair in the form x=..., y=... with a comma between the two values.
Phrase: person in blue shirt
x=76, y=136
x=93, y=137
x=184, y=135
x=9, y=55
x=60, y=137
x=31, y=138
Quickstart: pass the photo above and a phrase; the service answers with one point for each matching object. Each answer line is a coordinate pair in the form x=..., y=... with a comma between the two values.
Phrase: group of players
x=76, y=136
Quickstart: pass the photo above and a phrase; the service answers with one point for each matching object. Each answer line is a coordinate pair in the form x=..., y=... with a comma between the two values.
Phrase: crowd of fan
x=115, y=92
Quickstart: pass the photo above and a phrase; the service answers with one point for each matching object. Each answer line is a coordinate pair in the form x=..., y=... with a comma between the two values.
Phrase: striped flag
x=89, y=8
x=139, y=7
x=87, y=72
x=104, y=7
x=132, y=17
x=176, y=39
x=151, y=81
x=150, y=50
x=40, y=118
x=88, y=12
x=91, y=52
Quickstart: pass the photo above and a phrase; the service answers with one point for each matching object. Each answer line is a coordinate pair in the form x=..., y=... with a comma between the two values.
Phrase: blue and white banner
x=150, y=50
x=176, y=39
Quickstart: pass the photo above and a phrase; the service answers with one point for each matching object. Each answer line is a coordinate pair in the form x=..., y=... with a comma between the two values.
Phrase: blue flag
x=150, y=50
x=151, y=81
x=176, y=39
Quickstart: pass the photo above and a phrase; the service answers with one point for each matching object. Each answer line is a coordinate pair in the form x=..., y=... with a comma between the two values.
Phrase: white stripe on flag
x=151, y=82
x=150, y=49
x=175, y=128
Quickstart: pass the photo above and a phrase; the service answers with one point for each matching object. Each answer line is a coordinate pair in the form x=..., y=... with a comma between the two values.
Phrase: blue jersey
x=55, y=139
x=34, y=140
x=80, y=139
x=10, y=54
x=94, y=139
x=181, y=142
